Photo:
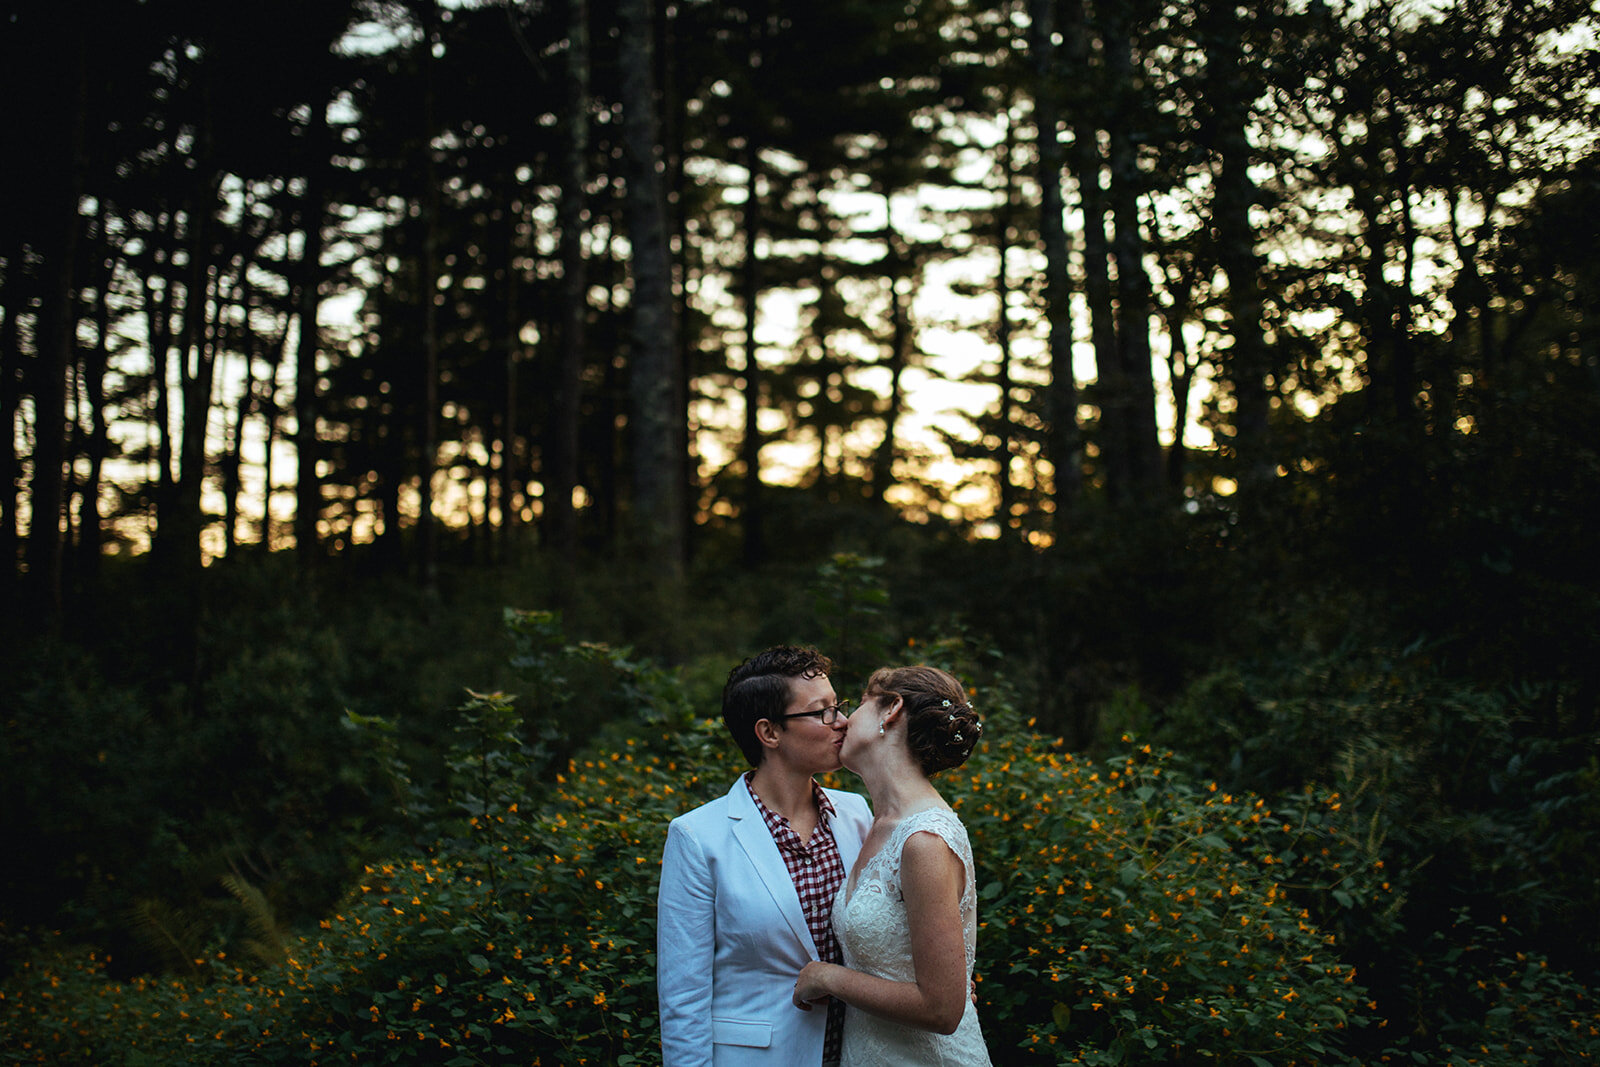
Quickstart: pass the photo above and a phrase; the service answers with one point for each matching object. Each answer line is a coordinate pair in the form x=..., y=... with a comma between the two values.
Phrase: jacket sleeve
x=686, y=933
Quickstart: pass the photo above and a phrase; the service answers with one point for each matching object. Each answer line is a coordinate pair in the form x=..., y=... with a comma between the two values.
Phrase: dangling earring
x=880, y=727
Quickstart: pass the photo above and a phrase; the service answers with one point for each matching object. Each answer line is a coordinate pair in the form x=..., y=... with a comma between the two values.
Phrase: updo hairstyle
x=941, y=727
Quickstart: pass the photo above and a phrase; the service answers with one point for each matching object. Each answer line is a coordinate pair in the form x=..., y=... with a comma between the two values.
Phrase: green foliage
x=267, y=945
x=80, y=782
x=173, y=938
x=1486, y=1002
x=1478, y=812
x=1164, y=919
x=1451, y=773
x=582, y=685
x=851, y=601
x=293, y=735
x=1137, y=907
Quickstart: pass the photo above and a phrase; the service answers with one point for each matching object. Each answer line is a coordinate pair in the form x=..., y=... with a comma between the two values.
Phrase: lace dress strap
x=947, y=826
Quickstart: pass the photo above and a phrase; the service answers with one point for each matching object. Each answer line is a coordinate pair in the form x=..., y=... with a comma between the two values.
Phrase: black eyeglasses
x=828, y=715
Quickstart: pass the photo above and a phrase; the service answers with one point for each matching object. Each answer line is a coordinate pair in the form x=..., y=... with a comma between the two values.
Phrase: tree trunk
x=159, y=302
x=503, y=460
x=1384, y=201
x=899, y=346
x=658, y=499
x=1180, y=371
x=1472, y=336
x=755, y=548
x=560, y=473
x=1133, y=433
x=428, y=450
x=1085, y=160
x=95, y=362
x=1247, y=363
x=233, y=456
x=1005, y=485
x=158, y=328
x=11, y=389
x=685, y=346
x=308, y=482
x=1061, y=407
x=196, y=360
x=270, y=414
x=604, y=450
x=1387, y=309
x=56, y=344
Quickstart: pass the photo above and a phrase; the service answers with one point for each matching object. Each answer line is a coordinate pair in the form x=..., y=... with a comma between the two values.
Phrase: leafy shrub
x=74, y=799
x=1163, y=920
x=138, y=775
x=1131, y=913
x=527, y=932
x=1478, y=804
x=1485, y=1002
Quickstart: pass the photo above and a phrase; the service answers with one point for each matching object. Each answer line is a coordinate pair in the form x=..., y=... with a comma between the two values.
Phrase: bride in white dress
x=906, y=915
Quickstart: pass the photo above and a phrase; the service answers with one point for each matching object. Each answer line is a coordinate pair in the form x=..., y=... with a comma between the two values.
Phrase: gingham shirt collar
x=777, y=824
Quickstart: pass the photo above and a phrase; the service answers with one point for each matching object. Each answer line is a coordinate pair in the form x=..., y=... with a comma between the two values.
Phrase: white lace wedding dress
x=870, y=920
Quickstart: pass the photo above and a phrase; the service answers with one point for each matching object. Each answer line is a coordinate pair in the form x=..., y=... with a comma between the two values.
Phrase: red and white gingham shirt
x=818, y=872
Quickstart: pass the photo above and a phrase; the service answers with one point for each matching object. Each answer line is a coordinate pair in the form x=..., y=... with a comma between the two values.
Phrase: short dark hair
x=941, y=726
x=759, y=689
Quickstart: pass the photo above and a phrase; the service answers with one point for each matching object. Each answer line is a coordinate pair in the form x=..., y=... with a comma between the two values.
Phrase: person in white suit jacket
x=748, y=880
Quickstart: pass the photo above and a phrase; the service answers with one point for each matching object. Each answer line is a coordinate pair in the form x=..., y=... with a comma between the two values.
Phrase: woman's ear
x=894, y=707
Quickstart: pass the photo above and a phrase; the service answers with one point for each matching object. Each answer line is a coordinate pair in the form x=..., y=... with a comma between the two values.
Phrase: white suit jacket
x=731, y=937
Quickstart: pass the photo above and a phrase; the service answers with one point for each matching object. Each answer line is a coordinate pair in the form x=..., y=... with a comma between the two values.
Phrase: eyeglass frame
x=838, y=711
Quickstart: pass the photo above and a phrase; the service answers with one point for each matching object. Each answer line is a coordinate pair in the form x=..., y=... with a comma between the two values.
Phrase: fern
x=267, y=946
x=171, y=934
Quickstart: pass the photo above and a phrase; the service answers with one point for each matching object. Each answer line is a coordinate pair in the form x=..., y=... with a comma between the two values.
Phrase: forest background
x=1215, y=386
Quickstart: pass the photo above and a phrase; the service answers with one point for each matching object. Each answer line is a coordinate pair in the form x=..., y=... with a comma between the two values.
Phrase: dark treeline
x=321, y=274
x=328, y=325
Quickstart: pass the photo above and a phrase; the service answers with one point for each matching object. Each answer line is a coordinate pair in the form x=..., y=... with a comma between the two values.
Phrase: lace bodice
x=869, y=916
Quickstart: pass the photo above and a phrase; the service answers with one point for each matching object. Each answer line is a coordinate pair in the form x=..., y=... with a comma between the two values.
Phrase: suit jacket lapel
x=846, y=832
x=751, y=832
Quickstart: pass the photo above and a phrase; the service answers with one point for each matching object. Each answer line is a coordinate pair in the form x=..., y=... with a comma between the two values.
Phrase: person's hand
x=811, y=986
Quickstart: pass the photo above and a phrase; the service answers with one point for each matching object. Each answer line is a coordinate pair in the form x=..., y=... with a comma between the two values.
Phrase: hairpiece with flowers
x=963, y=706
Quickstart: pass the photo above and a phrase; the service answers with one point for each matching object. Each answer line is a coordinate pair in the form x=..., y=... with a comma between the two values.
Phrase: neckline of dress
x=853, y=878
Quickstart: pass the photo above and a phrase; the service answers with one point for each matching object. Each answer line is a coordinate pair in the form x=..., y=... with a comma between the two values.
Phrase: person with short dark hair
x=907, y=916
x=748, y=880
